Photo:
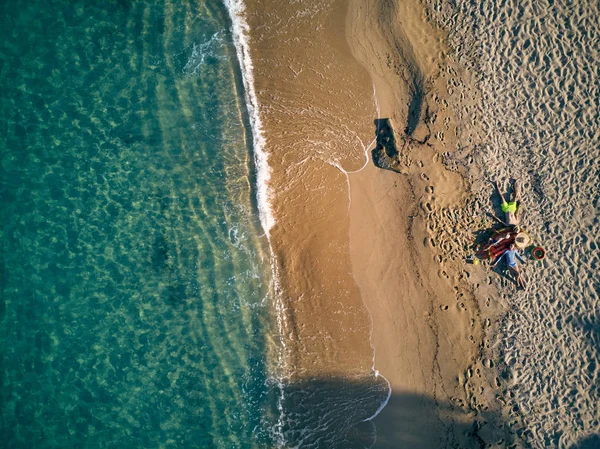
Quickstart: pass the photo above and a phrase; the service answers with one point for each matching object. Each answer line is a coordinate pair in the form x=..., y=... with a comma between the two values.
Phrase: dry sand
x=410, y=233
x=535, y=66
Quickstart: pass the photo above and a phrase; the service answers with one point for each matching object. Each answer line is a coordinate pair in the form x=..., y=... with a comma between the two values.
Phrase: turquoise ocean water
x=134, y=307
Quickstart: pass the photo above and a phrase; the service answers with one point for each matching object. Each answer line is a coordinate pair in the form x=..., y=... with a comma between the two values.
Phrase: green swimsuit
x=509, y=207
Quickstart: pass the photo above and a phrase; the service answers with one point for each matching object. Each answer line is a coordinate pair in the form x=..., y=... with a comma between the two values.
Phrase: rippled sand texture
x=133, y=306
x=536, y=66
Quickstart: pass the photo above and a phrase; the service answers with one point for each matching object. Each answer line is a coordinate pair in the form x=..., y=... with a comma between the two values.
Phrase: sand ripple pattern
x=537, y=69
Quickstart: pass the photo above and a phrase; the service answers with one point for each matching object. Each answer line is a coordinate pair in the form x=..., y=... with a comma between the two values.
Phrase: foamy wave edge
x=240, y=30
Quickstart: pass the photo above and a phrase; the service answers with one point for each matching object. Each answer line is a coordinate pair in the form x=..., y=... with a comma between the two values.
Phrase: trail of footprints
x=451, y=236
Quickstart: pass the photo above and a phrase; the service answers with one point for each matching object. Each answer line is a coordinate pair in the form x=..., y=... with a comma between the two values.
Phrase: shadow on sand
x=589, y=442
x=335, y=414
x=385, y=154
x=417, y=93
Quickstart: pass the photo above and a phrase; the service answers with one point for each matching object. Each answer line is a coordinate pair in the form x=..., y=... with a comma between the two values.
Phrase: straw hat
x=522, y=240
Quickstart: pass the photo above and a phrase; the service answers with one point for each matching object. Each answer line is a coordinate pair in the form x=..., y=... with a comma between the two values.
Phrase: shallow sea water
x=135, y=306
x=536, y=66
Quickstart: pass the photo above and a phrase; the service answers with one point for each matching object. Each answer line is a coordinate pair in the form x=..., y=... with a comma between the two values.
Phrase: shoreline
x=239, y=32
x=323, y=320
x=364, y=289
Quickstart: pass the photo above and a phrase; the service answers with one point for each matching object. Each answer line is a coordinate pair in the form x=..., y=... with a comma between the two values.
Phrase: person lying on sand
x=510, y=208
x=511, y=256
x=499, y=238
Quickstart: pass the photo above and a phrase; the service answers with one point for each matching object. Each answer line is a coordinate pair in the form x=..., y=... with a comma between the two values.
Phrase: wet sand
x=313, y=97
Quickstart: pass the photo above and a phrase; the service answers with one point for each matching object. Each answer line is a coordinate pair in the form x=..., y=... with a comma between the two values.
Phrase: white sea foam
x=387, y=398
x=366, y=149
x=202, y=51
x=278, y=434
x=240, y=31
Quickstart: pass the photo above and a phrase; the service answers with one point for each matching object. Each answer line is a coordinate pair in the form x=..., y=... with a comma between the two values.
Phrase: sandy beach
x=312, y=94
x=428, y=327
x=368, y=292
x=380, y=155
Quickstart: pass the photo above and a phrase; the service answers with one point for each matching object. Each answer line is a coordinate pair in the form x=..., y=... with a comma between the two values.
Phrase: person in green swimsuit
x=510, y=208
